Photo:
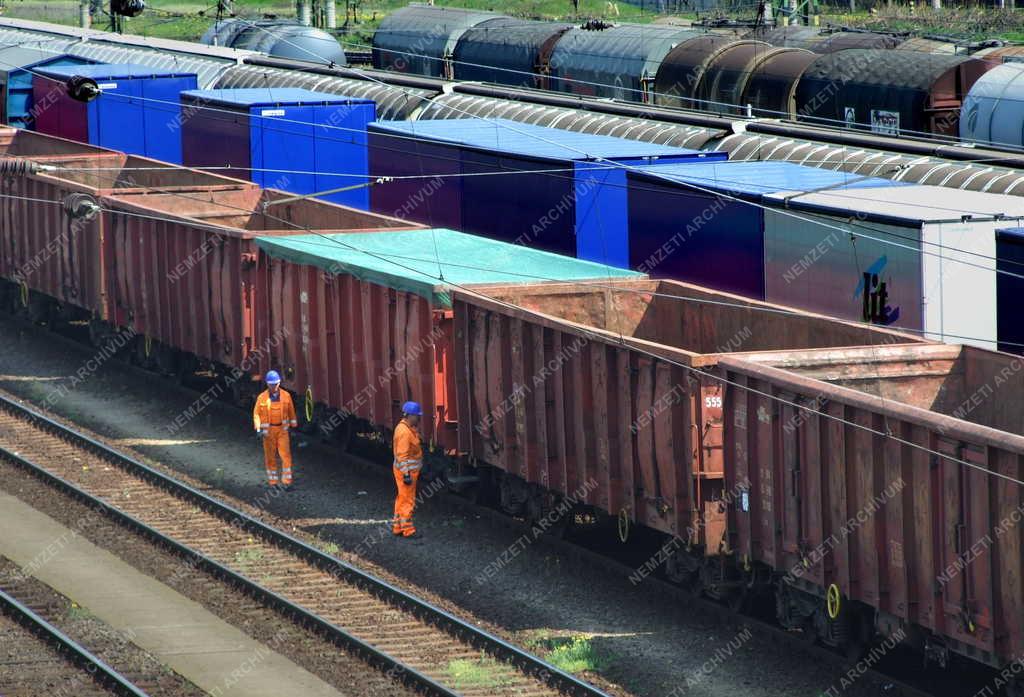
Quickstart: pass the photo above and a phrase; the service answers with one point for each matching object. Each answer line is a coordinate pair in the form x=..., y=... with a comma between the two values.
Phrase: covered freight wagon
x=888, y=92
x=288, y=138
x=136, y=112
x=507, y=51
x=620, y=62
x=365, y=319
x=510, y=181
x=922, y=447
x=421, y=39
x=918, y=257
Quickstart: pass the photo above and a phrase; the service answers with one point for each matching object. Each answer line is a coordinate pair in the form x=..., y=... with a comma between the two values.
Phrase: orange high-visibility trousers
x=277, y=443
x=401, y=524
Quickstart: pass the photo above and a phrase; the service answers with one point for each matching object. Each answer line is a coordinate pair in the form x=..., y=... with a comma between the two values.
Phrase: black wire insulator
x=82, y=89
x=80, y=206
x=127, y=8
x=17, y=167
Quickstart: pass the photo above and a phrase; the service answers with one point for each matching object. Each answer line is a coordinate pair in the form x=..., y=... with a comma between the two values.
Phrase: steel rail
x=423, y=610
x=97, y=669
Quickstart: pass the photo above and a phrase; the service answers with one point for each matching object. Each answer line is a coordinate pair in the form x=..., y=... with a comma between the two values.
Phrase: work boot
x=415, y=536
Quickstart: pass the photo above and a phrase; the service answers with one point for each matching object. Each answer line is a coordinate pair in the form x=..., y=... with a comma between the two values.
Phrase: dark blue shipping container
x=282, y=138
x=1010, y=289
x=17, y=65
x=704, y=223
x=512, y=181
x=137, y=111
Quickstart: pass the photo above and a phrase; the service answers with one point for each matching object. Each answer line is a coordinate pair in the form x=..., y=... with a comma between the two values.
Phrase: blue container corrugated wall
x=137, y=111
x=18, y=110
x=296, y=140
x=696, y=237
x=1009, y=289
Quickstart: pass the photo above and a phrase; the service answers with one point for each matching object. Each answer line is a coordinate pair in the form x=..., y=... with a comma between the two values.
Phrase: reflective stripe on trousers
x=405, y=502
x=277, y=443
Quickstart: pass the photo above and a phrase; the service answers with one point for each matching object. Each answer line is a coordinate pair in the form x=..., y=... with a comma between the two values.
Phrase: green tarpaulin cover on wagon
x=428, y=262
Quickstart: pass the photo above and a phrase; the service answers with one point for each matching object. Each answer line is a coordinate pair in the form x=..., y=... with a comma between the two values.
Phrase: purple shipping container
x=704, y=223
x=515, y=182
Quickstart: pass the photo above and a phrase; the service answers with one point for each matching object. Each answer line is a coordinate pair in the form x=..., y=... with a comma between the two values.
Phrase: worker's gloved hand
x=260, y=434
x=407, y=478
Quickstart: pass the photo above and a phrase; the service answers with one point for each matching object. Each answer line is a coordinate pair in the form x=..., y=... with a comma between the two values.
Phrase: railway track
x=424, y=646
x=37, y=658
x=115, y=648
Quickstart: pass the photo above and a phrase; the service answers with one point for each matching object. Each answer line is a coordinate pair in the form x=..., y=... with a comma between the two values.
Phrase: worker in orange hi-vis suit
x=272, y=416
x=408, y=461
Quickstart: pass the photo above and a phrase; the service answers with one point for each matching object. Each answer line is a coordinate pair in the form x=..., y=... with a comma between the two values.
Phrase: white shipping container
x=929, y=254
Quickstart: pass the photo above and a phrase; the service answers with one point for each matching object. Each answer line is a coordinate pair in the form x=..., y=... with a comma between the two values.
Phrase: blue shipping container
x=137, y=111
x=17, y=65
x=517, y=182
x=283, y=138
x=704, y=223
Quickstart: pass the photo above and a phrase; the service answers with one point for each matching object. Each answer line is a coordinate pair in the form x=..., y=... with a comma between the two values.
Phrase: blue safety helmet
x=412, y=409
x=273, y=378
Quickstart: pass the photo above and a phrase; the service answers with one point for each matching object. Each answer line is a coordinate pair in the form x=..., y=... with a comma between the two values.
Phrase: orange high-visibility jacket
x=280, y=413
x=408, y=451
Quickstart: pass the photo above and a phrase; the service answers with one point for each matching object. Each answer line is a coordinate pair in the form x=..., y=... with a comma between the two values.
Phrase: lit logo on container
x=272, y=112
x=107, y=86
x=874, y=295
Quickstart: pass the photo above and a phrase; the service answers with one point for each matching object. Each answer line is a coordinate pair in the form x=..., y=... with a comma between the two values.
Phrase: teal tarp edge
x=429, y=288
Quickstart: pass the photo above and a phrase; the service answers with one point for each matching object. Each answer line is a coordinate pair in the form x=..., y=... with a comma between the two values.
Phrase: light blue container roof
x=416, y=260
x=758, y=178
x=20, y=57
x=513, y=137
x=113, y=71
x=269, y=96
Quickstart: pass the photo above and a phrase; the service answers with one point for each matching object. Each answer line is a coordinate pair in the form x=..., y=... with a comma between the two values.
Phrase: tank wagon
x=276, y=37
x=654, y=401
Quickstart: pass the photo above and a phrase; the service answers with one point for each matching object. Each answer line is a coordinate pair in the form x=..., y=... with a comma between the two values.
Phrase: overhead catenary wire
x=613, y=163
x=977, y=160
x=747, y=202
x=795, y=405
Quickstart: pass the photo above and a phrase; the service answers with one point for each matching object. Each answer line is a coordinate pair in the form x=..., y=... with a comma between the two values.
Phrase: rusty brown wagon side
x=884, y=478
x=368, y=318
x=181, y=261
x=608, y=391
